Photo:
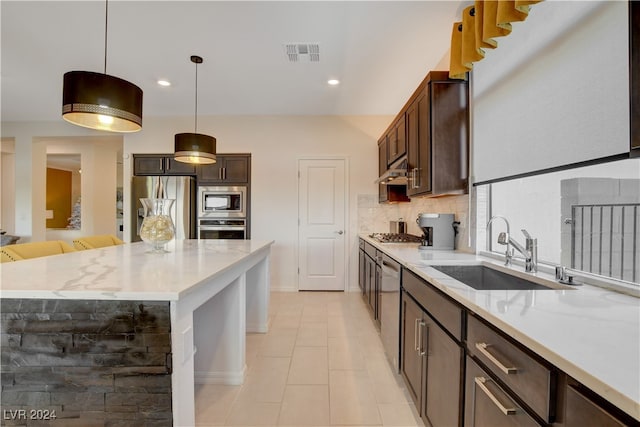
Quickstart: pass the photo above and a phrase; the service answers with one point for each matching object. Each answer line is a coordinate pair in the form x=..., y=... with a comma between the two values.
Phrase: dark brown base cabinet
x=585, y=409
x=462, y=371
x=431, y=361
x=488, y=405
x=371, y=282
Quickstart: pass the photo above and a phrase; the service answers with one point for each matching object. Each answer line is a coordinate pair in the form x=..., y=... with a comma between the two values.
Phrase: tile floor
x=321, y=364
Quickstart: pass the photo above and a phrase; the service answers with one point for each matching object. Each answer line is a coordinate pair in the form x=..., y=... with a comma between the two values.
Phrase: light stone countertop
x=591, y=333
x=125, y=272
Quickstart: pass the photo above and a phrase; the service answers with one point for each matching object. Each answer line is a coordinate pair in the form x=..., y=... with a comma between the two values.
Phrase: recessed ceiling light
x=333, y=82
x=164, y=83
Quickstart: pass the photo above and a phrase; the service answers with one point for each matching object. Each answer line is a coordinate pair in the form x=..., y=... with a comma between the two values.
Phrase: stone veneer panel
x=95, y=363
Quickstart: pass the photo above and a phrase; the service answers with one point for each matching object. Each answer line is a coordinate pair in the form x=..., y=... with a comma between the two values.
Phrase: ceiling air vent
x=302, y=52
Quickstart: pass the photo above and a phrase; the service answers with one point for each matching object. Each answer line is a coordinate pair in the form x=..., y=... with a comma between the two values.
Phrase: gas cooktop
x=395, y=238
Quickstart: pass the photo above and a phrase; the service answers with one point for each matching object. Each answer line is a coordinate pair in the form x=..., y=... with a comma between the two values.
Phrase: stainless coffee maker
x=439, y=231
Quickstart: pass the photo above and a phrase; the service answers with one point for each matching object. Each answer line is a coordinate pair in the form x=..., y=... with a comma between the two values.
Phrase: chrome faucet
x=530, y=251
x=504, y=239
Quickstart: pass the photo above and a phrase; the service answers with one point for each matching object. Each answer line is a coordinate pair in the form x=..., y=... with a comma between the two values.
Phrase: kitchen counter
x=591, y=333
x=135, y=320
x=126, y=271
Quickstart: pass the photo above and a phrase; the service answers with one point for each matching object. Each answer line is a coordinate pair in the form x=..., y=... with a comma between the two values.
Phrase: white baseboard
x=225, y=378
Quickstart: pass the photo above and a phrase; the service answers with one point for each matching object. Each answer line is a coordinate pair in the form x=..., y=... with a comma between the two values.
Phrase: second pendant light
x=195, y=147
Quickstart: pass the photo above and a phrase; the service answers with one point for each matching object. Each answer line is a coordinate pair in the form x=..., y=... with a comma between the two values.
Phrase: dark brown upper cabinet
x=228, y=169
x=437, y=137
x=433, y=131
x=160, y=164
x=396, y=141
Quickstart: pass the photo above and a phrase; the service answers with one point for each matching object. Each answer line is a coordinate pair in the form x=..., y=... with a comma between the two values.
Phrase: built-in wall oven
x=211, y=228
x=222, y=212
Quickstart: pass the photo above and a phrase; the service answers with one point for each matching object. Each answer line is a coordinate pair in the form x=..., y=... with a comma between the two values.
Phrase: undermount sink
x=484, y=278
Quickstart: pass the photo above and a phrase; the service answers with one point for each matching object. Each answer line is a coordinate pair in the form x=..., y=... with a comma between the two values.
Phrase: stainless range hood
x=396, y=174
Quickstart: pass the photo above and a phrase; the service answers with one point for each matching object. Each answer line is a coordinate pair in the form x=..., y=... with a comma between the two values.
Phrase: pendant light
x=100, y=101
x=195, y=147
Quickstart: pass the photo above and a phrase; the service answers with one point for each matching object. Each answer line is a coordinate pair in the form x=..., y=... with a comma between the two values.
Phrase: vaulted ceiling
x=379, y=50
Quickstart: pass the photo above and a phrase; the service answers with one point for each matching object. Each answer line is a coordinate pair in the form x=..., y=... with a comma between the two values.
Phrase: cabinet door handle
x=416, y=332
x=423, y=351
x=483, y=348
x=480, y=382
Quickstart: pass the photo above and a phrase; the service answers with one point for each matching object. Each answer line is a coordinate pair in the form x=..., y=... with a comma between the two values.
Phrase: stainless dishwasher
x=389, y=308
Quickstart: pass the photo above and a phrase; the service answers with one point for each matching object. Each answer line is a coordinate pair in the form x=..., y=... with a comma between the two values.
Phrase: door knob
x=340, y=232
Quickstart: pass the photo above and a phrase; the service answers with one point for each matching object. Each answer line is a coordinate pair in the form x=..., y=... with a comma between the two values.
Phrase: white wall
x=276, y=143
x=98, y=151
x=7, y=185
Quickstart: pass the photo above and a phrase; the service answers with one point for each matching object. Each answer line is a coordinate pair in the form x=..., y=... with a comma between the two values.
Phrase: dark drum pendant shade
x=195, y=148
x=102, y=102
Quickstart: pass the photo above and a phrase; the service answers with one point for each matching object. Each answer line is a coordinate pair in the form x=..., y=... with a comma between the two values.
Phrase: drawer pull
x=483, y=348
x=421, y=349
x=480, y=383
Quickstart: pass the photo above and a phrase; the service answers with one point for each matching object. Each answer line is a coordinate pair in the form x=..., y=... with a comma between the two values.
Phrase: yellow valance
x=480, y=25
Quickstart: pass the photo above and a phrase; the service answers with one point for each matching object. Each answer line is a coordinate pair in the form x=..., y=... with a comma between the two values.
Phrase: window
x=586, y=218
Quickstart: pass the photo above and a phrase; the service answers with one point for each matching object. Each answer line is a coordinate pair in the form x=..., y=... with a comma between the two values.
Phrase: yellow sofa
x=93, y=242
x=34, y=250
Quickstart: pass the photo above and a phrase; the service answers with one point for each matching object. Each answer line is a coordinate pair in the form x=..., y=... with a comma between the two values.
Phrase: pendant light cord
x=196, y=117
x=106, y=20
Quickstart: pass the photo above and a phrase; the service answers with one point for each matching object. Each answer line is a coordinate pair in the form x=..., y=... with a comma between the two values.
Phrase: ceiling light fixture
x=164, y=83
x=100, y=101
x=195, y=147
x=333, y=82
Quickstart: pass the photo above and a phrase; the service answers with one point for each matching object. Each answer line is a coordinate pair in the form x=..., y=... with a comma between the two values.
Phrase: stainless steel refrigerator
x=183, y=212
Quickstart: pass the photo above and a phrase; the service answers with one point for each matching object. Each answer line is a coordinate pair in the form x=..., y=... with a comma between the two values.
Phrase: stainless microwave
x=223, y=202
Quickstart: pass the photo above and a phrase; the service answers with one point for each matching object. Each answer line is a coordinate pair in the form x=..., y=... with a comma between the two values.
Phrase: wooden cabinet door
x=444, y=373
x=362, y=268
x=148, y=165
x=396, y=141
x=412, y=359
x=160, y=164
x=413, y=147
x=449, y=143
x=488, y=405
x=421, y=168
x=228, y=169
x=382, y=167
x=371, y=284
x=210, y=174
x=401, y=138
x=582, y=411
x=236, y=169
x=173, y=167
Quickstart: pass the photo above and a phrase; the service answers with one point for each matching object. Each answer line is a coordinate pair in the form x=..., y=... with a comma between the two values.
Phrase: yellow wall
x=58, y=197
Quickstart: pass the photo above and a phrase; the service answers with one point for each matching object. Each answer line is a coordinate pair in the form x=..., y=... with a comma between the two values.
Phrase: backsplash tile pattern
x=374, y=217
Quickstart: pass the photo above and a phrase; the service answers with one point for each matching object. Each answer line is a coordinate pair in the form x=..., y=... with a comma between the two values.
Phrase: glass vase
x=157, y=226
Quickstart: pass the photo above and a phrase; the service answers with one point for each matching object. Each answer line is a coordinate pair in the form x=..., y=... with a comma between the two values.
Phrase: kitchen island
x=590, y=333
x=120, y=334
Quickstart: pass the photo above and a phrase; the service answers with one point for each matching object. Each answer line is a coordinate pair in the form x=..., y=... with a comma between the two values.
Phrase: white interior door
x=321, y=230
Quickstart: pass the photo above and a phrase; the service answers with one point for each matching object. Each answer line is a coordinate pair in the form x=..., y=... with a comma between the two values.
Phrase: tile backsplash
x=374, y=217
